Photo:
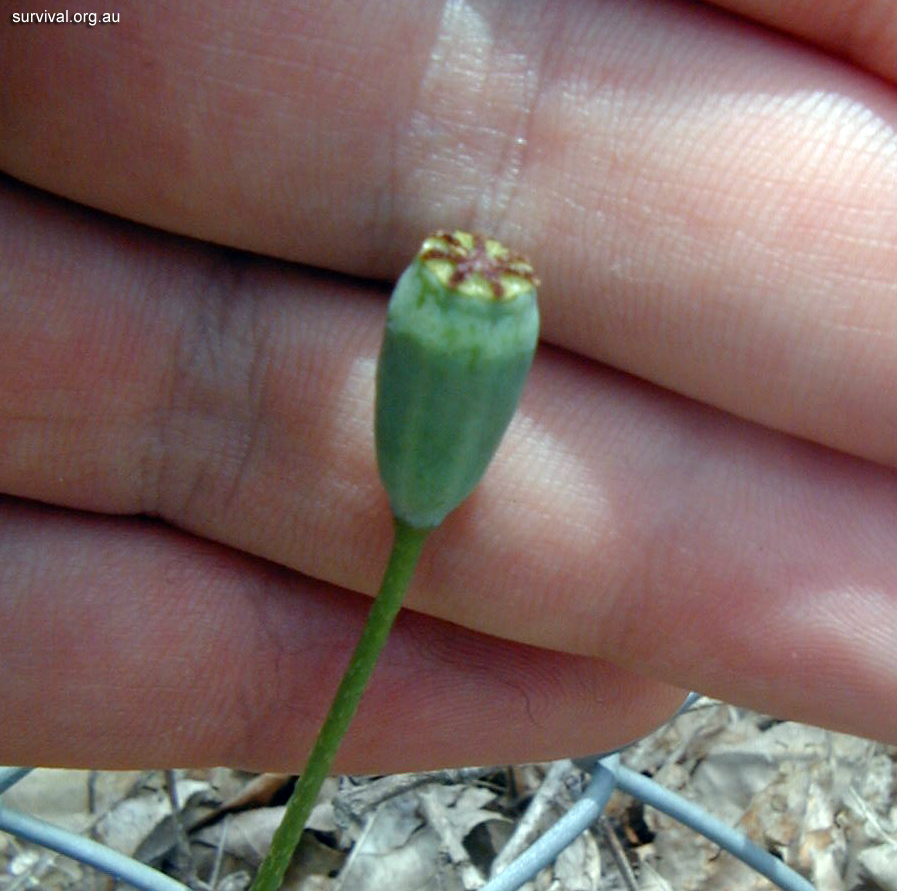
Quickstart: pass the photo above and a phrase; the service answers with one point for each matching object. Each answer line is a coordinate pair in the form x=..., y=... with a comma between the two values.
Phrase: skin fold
x=202, y=213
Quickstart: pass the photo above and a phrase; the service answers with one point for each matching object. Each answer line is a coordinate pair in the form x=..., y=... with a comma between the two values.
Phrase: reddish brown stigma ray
x=476, y=256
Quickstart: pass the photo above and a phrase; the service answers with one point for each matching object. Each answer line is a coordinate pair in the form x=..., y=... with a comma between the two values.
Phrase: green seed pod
x=461, y=331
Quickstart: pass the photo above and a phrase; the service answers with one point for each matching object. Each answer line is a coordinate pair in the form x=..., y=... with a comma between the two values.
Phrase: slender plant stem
x=406, y=548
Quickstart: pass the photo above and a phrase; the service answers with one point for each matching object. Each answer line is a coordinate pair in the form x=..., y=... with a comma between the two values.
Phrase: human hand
x=698, y=490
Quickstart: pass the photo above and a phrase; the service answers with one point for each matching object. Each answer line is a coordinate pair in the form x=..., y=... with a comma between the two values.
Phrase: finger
x=233, y=397
x=127, y=644
x=865, y=33
x=711, y=208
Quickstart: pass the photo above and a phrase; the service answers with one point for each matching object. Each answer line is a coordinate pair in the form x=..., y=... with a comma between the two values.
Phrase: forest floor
x=823, y=802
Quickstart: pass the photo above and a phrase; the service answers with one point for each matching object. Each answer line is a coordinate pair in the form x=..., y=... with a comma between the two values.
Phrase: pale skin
x=698, y=491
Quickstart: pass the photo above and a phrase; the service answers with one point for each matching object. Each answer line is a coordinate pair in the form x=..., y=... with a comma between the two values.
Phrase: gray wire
x=87, y=851
x=607, y=775
x=544, y=851
x=610, y=774
x=726, y=837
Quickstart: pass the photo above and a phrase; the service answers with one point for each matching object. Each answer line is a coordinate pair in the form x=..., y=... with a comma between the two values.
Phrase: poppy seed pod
x=460, y=336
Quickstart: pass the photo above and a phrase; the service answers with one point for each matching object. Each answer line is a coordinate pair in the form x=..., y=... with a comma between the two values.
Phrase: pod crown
x=477, y=266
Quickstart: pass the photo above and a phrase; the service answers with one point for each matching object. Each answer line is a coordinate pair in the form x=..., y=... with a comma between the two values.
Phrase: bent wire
x=729, y=839
x=607, y=774
x=545, y=850
x=82, y=849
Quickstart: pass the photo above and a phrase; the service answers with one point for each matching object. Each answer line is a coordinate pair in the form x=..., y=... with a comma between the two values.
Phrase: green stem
x=406, y=548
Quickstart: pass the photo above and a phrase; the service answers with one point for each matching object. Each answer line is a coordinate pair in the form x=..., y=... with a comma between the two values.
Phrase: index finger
x=711, y=207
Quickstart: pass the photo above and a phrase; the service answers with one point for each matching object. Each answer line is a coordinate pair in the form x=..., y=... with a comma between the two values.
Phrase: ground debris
x=825, y=803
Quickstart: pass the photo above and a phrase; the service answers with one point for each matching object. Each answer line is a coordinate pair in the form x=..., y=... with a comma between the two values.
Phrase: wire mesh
x=608, y=774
